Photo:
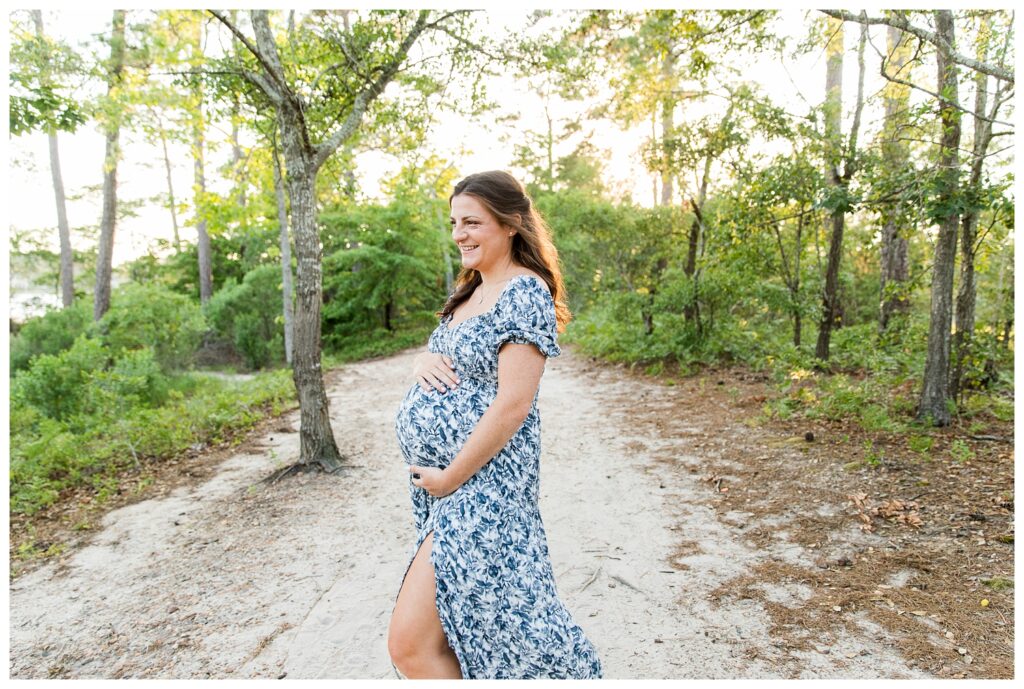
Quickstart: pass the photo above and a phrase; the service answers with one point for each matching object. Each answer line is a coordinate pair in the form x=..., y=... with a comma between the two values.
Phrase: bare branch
x=937, y=96
x=851, y=148
x=718, y=28
x=901, y=22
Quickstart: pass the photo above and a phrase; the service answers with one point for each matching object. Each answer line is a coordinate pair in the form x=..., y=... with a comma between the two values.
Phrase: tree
x=111, y=124
x=935, y=392
x=696, y=149
x=67, y=284
x=983, y=117
x=840, y=167
x=198, y=126
x=308, y=100
x=894, y=268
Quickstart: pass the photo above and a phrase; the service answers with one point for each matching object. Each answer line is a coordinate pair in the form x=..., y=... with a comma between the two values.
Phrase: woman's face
x=483, y=242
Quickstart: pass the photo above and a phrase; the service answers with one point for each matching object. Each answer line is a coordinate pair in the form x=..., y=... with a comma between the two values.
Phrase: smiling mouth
x=467, y=250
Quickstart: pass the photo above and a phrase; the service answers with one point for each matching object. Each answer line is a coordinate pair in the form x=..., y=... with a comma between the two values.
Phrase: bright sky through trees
x=796, y=84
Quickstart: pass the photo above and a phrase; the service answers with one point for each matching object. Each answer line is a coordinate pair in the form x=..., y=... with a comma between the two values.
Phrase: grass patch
x=49, y=456
x=998, y=583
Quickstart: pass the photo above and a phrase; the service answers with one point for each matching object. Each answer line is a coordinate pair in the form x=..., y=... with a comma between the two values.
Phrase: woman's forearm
x=492, y=432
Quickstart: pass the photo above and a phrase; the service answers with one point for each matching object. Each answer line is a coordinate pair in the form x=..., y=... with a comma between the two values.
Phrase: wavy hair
x=506, y=199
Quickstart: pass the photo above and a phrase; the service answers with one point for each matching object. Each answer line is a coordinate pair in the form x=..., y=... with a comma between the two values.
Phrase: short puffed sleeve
x=527, y=316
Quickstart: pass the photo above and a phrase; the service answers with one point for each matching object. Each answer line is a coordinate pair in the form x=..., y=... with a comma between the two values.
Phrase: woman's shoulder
x=533, y=278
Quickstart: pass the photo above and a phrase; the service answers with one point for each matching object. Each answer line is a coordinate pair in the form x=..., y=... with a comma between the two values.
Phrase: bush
x=56, y=384
x=153, y=316
x=51, y=333
x=135, y=380
x=247, y=315
x=48, y=455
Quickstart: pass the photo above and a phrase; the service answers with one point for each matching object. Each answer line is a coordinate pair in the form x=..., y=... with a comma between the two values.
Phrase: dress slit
x=442, y=610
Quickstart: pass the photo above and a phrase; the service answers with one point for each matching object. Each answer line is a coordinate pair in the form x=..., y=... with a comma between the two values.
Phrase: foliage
x=56, y=384
x=49, y=455
x=153, y=316
x=377, y=270
x=249, y=315
x=51, y=333
x=42, y=96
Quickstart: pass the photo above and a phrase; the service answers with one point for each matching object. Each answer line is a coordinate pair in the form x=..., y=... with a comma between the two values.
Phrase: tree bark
x=966, y=297
x=668, y=127
x=108, y=222
x=67, y=280
x=317, y=444
x=170, y=186
x=203, y=237
x=833, y=123
x=935, y=390
x=286, y=255
x=895, y=266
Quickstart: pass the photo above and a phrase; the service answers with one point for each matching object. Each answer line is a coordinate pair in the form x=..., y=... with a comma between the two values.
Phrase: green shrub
x=51, y=333
x=153, y=316
x=56, y=384
x=247, y=314
x=48, y=455
x=134, y=380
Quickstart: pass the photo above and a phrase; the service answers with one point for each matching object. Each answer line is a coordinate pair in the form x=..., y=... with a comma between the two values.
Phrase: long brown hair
x=507, y=200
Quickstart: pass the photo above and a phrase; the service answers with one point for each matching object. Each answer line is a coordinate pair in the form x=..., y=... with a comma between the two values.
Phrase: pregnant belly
x=432, y=426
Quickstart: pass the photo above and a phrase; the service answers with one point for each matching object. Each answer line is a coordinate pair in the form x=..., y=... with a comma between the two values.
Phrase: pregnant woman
x=478, y=599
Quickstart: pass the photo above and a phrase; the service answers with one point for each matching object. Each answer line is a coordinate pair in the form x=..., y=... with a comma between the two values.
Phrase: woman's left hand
x=435, y=481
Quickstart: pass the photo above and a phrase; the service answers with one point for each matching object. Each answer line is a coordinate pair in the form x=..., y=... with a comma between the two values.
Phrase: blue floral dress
x=495, y=588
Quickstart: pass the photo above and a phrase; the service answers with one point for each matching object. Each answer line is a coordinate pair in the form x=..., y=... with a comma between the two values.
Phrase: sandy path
x=226, y=579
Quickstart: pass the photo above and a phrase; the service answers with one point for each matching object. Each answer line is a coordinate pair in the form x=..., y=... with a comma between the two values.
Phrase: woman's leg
x=416, y=641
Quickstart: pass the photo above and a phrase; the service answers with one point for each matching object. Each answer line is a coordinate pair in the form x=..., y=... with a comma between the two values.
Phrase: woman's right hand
x=434, y=370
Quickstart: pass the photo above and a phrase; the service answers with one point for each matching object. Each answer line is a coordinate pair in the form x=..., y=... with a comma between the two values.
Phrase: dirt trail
x=230, y=579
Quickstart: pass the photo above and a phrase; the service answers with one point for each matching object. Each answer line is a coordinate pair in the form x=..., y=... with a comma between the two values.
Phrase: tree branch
x=260, y=83
x=901, y=22
x=687, y=45
x=937, y=96
x=849, y=164
x=323, y=150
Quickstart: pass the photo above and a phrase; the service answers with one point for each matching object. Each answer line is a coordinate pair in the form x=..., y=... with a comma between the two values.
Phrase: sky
x=470, y=146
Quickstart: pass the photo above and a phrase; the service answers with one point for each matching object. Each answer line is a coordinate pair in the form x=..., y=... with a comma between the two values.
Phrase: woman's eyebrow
x=451, y=217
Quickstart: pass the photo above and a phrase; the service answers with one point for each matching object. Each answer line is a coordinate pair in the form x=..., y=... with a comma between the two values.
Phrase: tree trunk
x=108, y=222
x=236, y=154
x=203, y=246
x=654, y=136
x=833, y=123
x=170, y=187
x=286, y=255
x=67, y=280
x=795, y=288
x=668, y=127
x=966, y=297
x=894, y=270
x=935, y=390
x=317, y=444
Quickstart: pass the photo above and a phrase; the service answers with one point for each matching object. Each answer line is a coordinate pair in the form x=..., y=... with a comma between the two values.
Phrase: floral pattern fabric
x=495, y=588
